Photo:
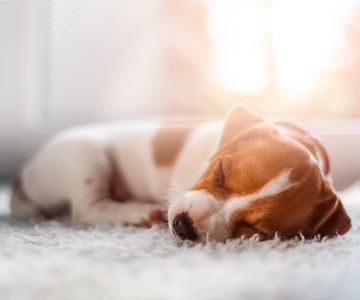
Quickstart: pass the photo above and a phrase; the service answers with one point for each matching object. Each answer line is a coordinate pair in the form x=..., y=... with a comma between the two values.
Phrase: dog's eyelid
x=247, y=227
x=219, y=174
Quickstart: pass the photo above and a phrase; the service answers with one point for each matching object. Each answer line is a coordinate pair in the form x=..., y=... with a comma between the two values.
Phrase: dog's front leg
x=101, y=209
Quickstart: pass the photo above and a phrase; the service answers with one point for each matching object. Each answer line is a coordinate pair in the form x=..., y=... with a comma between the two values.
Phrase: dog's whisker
x=173, y=192
x=176, y=182
x=172, y=189
x=167, y=205
x=169, y=197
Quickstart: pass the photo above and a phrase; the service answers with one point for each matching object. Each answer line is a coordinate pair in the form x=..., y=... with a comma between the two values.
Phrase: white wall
x=65, y=62
x=16, y=137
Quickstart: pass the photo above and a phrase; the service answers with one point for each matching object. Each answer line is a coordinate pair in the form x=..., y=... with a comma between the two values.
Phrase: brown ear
x=330, y=216
x=239, y=119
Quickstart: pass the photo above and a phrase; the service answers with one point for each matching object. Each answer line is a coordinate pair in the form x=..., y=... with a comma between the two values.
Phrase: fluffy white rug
x=52, y=261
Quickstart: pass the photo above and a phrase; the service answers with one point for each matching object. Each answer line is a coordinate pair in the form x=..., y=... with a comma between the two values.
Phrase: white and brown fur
x=124, y=171
x=114, y=172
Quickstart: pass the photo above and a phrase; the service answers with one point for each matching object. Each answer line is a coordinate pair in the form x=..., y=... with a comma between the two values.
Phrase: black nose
x=183, y=227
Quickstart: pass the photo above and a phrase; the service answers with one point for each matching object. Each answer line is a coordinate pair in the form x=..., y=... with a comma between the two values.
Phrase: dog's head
x=258, y=182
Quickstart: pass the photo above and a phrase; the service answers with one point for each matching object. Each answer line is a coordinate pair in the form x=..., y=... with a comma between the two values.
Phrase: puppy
x=241, y=177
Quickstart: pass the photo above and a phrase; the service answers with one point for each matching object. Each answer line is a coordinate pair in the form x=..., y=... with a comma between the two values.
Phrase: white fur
x=131, y=148
x=206, y=213
x=312, y=160
x=275, y=186
x=60, y=171
x=193, y=158
x=83, y=152
x=200, y=202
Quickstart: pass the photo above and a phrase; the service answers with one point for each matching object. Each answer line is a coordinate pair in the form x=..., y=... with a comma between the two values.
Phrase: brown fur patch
x=169, y=140
x=88, y=181
x=247, y=168
x=309, y=142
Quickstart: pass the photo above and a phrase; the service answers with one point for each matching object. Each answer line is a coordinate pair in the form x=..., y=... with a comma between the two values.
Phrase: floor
x=52, y=261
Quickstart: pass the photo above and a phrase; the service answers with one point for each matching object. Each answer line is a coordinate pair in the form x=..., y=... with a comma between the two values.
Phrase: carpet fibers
x=51, y=261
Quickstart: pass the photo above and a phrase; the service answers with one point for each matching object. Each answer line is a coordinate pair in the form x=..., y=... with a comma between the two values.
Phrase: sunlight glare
x=306, y=36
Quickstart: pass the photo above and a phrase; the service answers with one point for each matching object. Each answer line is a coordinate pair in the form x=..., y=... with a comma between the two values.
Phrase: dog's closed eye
x=247, y=228
x=219, y=175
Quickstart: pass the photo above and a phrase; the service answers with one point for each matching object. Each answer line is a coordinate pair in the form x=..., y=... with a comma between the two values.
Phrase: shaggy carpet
x=52, y=261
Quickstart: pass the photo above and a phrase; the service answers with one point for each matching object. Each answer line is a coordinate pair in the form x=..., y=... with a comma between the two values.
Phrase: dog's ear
x=238, y=119
x=330, y=217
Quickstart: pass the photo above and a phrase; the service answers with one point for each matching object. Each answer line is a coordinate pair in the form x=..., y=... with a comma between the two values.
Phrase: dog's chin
x=213, y=228
x=205, y=237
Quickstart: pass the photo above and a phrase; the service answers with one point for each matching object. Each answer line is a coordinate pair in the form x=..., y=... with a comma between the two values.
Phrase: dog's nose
x=183, y=227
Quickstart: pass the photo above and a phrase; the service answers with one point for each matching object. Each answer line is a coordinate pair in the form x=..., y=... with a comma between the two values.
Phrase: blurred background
x=68, y=62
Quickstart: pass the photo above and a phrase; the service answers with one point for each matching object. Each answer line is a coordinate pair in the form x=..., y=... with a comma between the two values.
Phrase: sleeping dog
x=240, y=177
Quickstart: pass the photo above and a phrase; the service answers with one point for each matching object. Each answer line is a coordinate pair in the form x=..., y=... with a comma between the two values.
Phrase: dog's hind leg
x=23, y=207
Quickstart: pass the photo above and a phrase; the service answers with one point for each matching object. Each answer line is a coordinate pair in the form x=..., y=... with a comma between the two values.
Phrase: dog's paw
x=157, y=216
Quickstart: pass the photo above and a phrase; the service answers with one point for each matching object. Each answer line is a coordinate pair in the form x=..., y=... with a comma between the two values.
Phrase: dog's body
x=124, y=172
x=129, y=163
